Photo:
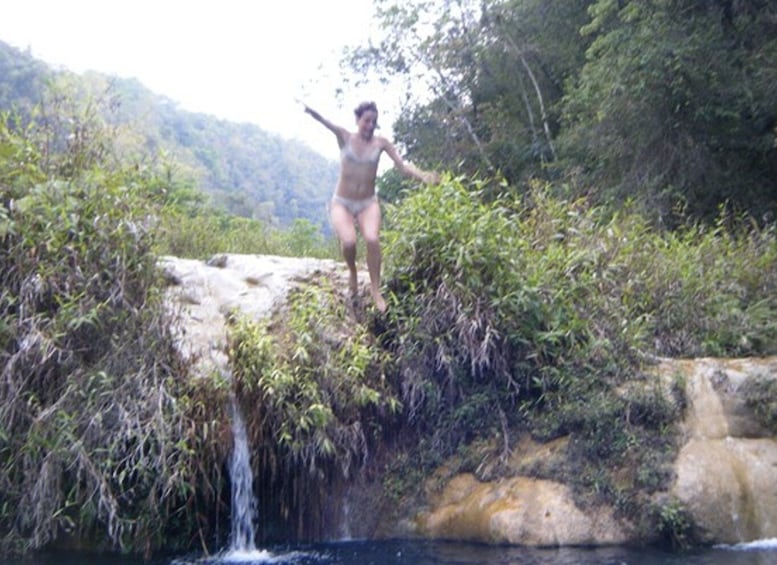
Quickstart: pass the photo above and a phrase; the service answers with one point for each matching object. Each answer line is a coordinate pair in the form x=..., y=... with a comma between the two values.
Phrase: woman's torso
x=358, y=167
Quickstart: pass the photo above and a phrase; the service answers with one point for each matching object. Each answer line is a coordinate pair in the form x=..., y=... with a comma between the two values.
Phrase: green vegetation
x=667, y=103
x=103, y=433
x=203, y=232
x=615, y=203
x=242, y=169
x=532, y=313
x=760, y=394
x=515, y=315
x=675, y=525
x=314, y=387
x=103, y=437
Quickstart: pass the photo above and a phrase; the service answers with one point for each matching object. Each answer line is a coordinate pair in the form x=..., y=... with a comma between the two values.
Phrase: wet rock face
x=519, y=510
x=726, y=472
x=726, y=477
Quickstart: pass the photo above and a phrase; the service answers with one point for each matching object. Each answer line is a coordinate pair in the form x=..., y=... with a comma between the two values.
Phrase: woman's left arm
x=408, y=169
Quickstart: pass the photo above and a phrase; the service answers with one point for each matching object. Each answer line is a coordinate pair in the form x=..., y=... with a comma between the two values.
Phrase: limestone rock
x=726, y=476
x=727, y=468
x=518, y=510
x=204, y=293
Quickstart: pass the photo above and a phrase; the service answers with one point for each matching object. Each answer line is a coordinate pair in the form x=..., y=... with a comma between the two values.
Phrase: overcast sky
x=241, y=60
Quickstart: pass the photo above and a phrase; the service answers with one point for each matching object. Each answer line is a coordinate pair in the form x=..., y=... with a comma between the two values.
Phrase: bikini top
x=347, y=152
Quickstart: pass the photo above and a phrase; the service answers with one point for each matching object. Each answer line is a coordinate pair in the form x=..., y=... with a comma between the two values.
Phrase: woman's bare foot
x=380, y=303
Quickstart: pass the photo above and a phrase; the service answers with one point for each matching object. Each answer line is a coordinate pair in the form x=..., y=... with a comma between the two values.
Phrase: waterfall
x=243, y=502
x=345, y=526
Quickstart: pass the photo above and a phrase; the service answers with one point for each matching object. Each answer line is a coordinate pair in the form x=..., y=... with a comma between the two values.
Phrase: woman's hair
x=364, y=107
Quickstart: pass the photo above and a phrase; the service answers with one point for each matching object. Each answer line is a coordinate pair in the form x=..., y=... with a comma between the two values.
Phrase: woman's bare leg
x=342, y=221
x=369, y=224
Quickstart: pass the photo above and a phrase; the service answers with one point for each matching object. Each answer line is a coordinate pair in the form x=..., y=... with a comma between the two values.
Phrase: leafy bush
x=313, y=387
x=675, y=524
x=203, y=232
x=531, y=312
x=102, y=436
x=760, y=394
x=498, y=299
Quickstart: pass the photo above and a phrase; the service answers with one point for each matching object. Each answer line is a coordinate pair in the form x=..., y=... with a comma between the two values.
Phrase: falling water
x=345, y=527
x=243, y=503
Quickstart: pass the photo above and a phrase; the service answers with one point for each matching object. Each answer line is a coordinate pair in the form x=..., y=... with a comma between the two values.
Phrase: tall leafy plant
x=102, y=436
x=531, y=314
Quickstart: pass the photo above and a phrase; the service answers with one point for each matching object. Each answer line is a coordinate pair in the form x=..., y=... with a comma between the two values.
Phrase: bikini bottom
x=355, y=205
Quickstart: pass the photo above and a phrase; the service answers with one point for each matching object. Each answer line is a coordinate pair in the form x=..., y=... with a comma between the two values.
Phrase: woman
x=354, y=199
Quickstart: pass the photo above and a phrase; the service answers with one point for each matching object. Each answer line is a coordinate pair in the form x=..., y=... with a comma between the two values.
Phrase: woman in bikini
x=354, y=199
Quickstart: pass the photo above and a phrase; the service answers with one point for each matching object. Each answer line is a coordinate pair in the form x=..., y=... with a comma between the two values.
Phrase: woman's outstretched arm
x=408, y=169
x=340, y=132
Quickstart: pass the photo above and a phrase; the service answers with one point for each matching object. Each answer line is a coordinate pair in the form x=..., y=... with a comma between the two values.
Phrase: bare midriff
x=357, y=180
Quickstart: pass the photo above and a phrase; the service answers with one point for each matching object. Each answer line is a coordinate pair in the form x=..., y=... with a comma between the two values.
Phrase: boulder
x=726, y=470
x=519, y=510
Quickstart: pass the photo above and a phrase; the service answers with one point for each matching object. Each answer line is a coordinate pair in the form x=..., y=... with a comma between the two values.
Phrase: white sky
x=241, y=60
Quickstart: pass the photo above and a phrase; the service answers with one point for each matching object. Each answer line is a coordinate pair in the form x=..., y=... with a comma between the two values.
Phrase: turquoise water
x=437, y=553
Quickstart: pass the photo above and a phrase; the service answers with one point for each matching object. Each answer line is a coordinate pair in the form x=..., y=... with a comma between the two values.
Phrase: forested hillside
x=246, y=170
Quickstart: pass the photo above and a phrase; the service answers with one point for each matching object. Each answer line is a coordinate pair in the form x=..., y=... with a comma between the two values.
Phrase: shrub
x=313, y=386
x=530, y=312
x=760, y=394
x=102, y=436
x=200, y=232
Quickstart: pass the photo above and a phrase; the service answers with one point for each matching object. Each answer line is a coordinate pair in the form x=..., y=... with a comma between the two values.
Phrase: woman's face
x=367, y=123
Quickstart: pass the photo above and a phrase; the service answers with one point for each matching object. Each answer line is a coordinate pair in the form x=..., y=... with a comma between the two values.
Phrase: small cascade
x=243, y=502
x=345, y=526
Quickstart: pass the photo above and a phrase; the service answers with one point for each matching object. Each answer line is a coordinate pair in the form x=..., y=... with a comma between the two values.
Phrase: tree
x=675, y=106
x=668, y=103
x=495, y=70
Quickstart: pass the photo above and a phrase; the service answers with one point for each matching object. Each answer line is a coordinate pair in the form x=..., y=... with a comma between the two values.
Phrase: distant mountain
x=245, y=169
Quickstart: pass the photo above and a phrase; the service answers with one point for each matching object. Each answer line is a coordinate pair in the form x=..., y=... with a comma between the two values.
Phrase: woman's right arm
x=340, y=132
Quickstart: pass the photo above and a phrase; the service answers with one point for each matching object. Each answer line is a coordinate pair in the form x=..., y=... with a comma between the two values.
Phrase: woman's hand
x=430, y=177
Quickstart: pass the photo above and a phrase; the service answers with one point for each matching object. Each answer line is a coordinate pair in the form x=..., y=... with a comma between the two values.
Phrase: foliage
x=392, y=186
x=249, y=172
x=760, y=395
x=667, y=105
x=315, y=392
x=102, y=436
x=531, y=313
x=675, y=524
x=674, y=106
x=23, y=79
x=204, y=232
x=511, y=310
x=720, y=300
x=495, y=70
